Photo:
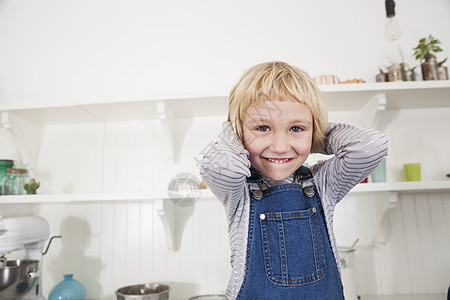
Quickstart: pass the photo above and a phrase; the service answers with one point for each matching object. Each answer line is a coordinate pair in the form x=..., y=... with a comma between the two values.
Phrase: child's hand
x=227, y=152
x=228, y=133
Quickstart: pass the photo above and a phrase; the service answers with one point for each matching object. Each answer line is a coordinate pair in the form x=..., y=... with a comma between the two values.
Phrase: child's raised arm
x=225, y=168
x=357, y=152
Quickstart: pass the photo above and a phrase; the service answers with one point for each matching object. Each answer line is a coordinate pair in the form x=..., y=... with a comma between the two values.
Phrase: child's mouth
x=279, y=160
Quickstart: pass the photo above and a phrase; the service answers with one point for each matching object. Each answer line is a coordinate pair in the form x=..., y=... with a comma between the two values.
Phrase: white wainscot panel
x=412, y=257
x=112, y=244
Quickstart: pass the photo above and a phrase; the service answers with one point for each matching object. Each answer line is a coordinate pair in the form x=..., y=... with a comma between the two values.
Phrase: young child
x=280, y=213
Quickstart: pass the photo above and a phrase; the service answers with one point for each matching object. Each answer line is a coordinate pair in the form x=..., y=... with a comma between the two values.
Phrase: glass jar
x=14, y=180
x=348, y=275
x=5, y=164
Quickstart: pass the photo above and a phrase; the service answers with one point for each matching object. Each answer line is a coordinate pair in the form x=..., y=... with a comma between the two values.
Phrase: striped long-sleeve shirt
x=225, y=168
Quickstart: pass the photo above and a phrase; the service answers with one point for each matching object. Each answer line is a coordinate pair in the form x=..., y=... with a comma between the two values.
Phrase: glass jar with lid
x=14, y=180
x=5, y=164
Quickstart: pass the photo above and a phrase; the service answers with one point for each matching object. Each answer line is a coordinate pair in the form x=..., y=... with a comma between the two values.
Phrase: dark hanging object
x=390, y=8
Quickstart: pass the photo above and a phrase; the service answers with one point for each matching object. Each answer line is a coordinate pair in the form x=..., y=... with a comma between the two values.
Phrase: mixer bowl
x=16, y=279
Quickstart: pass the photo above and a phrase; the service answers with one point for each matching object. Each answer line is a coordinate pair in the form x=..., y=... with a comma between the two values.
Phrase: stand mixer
x=24, y=238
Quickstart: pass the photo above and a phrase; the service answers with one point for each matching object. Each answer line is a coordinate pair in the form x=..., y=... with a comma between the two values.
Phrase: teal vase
x=68, y=289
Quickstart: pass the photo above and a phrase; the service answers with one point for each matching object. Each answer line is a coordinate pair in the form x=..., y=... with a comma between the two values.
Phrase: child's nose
x=280, y=143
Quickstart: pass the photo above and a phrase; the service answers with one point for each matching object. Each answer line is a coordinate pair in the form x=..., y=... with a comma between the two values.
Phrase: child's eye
x=263, y=128
x=296, y=129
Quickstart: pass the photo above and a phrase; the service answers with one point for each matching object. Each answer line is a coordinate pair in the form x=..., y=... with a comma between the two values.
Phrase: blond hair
x=277, y=81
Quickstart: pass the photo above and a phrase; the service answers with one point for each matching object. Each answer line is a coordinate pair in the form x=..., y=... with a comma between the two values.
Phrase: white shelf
x=339, y=97
x=399, y=187
x=96, y=197
x=399, y=95
x=403, y=187
x=117, y=109
x=405, y=297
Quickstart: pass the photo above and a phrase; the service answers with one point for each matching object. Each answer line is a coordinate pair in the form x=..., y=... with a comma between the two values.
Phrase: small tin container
x=381, y=77
x=396, y=72
x=443, y=73
x=410, y=75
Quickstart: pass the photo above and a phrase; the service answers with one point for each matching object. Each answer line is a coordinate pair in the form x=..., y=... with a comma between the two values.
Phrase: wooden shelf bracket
x=370, y=113
x=25, y=135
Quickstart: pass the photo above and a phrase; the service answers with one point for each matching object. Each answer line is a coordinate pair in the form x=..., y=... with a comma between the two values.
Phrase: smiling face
x=278, y=136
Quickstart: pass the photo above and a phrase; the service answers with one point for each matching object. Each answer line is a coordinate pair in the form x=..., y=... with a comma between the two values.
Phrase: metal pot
x=396, y=72
x=430, y=70
x=209, y=297
x=410, y=75
x=17, y=278
x=381, y=77
x=443, y=73
x=148, y=291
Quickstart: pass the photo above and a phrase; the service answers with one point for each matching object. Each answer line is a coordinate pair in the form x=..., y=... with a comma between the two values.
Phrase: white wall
x=69, y=50
x=65, y=51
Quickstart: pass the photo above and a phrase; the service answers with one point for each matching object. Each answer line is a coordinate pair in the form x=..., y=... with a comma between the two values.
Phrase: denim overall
x=288, y=254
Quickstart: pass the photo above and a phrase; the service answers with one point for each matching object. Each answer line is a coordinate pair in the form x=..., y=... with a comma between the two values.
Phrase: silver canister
x=410, y=75
x=396, y=72
x=430, y=70
x=381, y=77
x=443, y=73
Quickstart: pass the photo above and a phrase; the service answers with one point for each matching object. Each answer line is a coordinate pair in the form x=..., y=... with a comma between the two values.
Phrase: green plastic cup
x=412, y=171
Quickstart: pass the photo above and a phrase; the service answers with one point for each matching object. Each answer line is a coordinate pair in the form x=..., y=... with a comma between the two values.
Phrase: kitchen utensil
x=148, y=291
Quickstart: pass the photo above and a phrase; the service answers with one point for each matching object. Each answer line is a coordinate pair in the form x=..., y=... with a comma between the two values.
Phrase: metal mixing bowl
x=16, y=279
x=148, y=291
x=209, y=297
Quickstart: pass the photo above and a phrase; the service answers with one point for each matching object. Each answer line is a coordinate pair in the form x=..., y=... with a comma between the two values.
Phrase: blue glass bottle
x=68, y=289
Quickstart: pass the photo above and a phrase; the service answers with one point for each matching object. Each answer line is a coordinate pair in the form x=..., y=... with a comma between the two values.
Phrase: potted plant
x=425, y=52
x=382, y=76
x=410, y=74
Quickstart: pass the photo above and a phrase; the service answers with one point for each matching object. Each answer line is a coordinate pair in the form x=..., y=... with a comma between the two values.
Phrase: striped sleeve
x=357, y=152
x=224, y=169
